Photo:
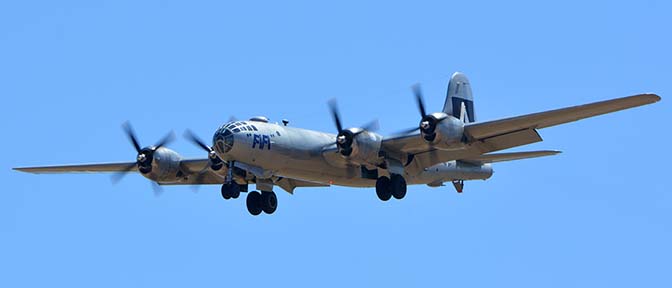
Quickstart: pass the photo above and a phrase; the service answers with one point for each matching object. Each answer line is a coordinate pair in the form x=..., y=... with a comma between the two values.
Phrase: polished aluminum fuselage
x=284, y=151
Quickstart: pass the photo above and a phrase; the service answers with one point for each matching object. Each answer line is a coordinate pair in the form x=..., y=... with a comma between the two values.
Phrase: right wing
x=482, y=130
x=490, y=136
x=501, y=157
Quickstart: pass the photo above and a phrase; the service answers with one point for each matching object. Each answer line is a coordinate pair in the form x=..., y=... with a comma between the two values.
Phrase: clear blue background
x=72, y=71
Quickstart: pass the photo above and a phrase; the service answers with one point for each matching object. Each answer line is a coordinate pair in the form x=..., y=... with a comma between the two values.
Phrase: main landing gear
x=266, y=201
x=395, y=186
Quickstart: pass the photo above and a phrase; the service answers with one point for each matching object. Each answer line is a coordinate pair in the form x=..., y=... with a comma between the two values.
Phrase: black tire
x=254, y=203
x=383, y=188
x=235, y=190
x=398, y=186
x=226, y=191
x=269, y=202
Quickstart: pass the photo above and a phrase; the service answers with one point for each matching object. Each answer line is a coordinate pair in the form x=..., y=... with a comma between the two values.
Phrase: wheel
x=398, y=186
x=383, y=188
x=254, y=203
x=269, y=202
x=235, y=190
x=226, y=191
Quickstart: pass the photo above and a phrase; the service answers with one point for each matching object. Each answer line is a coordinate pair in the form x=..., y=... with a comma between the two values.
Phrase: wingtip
x=650, y=97
x=656, y=97
x=23, y=169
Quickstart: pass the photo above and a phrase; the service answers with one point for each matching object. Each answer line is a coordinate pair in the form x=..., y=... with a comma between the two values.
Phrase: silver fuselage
x=276, y=150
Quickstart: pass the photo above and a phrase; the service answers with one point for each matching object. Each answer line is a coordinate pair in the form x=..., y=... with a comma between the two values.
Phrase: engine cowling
x=161, y=165
x=441, y=129
x=359, y=146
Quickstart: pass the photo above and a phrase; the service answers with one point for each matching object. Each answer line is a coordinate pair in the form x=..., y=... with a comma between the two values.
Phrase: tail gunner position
x=446, y=146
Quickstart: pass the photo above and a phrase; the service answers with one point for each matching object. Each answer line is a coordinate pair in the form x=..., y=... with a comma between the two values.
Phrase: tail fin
x=459, y=101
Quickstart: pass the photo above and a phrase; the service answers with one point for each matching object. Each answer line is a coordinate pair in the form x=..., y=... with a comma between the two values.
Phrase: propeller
x=157, y=189
x=145, y=156
x=428, y=122
x=216, y=163
x=212, y=155
x=346, y=137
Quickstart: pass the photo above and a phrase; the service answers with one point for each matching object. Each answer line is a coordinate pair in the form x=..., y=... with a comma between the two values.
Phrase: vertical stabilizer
x=459, y=101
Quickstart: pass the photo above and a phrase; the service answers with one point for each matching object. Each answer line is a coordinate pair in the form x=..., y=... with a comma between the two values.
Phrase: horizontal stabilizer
x=500, y=157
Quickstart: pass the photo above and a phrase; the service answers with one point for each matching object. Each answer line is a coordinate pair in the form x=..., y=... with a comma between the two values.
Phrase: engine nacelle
x=165, y=166
x=364, y=147
x=442, y=130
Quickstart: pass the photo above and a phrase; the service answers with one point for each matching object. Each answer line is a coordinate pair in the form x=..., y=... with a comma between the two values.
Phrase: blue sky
x=72, y=71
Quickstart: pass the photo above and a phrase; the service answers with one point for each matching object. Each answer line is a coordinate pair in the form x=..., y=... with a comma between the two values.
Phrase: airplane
x=446, y=146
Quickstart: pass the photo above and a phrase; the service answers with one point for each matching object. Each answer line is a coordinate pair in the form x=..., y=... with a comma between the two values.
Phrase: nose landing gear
x=266, y=201
x=230, y=190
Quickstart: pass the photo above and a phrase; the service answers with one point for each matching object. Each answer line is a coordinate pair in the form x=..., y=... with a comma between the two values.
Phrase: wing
x=81, y=168
x=195, y=170
x=500, y=157
x=555, y=117
x=188, y=166
x=506, y=133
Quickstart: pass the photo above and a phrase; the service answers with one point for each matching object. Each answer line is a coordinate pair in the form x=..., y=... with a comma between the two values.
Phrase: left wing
x=195, y=170
x=80, y=168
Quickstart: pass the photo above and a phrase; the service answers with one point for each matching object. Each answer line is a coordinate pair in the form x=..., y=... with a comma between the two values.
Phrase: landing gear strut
x=388, y=187
x=266, y=202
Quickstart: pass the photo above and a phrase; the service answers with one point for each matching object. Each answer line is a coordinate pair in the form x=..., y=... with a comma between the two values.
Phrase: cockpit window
x=224, y=138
